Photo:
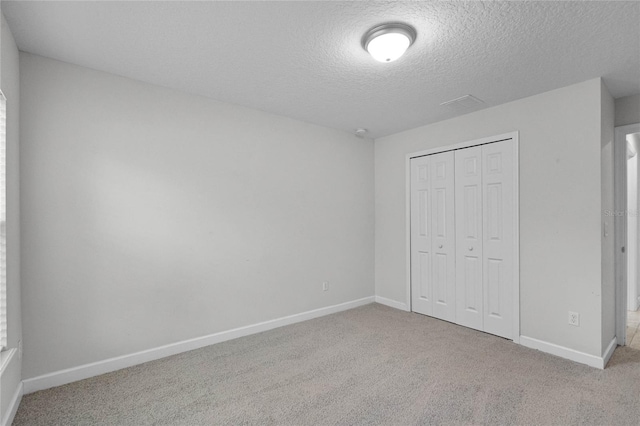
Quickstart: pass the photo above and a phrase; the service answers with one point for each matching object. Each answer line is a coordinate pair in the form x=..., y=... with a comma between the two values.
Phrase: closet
x=463, y=236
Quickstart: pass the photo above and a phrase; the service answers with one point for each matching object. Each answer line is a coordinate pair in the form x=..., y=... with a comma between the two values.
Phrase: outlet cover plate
x=574, y=318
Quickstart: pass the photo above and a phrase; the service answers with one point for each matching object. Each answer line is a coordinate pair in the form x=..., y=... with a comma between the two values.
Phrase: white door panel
x=468, y=187
x=498, y=241
x=432, y=236
x=443, y=241
x=421, y=286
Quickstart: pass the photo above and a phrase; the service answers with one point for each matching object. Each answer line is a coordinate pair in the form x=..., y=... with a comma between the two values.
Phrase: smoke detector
x=360, y=132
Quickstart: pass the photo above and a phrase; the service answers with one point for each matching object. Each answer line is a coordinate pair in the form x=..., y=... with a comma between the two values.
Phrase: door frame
x=620, y=226
x=515, y=137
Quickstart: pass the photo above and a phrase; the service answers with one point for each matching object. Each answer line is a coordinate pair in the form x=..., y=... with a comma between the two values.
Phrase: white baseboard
x=13, y=406
x=63, y=377
x=393, y=303
x=571, y=354
x=607, y=353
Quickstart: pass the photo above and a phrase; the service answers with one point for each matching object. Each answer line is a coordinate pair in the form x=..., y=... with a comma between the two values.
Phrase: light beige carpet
x=371, y=365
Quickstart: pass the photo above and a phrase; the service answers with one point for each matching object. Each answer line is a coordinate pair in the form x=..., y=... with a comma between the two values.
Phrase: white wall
x=9, y=83
x=153, y=216
x=632, y=232
x=607, y=119
x=627, y=110
x=560, y=207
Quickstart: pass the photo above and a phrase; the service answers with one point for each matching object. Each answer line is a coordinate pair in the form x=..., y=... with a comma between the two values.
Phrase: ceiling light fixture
x=387, y=42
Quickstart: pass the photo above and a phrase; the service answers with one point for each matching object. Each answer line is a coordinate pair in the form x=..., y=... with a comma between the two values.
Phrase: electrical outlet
x=325, y=285
x=574, y=318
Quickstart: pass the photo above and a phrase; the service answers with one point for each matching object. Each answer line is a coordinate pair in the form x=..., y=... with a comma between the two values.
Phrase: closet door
x=421, y=285
x=498, y=239
x=443, y=235
x=468, y=187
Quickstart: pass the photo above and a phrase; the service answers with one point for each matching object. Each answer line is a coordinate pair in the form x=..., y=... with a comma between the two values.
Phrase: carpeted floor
x=370, y=365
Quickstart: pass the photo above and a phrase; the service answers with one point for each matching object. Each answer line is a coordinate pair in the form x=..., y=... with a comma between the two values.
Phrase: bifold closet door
x=421, y=286
x=485, y=243
x=433, y=236
x=498, y=237
x=469, y=259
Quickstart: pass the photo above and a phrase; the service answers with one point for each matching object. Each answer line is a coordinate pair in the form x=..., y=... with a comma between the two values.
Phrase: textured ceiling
x=304, y=59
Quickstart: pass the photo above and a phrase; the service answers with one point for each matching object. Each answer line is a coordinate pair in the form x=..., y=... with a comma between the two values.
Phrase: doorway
x=627, y=225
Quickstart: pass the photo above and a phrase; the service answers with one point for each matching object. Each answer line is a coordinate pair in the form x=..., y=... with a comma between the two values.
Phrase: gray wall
x=9, y=83
x=560, y=207
x=627, y=110
x=153, y=216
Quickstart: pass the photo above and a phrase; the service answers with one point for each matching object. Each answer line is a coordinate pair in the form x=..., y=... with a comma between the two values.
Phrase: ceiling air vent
x=464, y=103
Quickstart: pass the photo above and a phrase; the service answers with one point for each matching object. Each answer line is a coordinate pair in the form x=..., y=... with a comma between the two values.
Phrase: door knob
x=470, y=248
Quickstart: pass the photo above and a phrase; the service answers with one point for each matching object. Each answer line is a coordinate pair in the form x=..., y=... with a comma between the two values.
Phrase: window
x=3, y=224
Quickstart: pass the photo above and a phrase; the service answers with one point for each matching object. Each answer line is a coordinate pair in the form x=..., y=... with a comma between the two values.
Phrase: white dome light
x=388, y=42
